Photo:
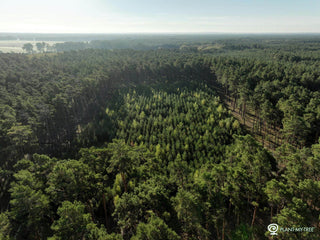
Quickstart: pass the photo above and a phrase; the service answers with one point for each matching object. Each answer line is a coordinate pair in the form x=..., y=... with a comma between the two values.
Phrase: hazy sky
x=121, y=16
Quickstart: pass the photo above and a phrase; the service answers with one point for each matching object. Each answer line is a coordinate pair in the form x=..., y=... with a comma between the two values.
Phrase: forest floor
x=268, y=136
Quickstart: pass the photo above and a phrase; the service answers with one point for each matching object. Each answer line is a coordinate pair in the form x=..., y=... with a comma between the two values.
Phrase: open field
x=15, y=46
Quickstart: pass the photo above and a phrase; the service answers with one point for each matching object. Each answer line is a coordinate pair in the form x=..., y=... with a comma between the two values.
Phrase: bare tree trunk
x=218, y=235
x=238, y=218
x=254, y=215
x=124, y=182
x=90, y=210
x=223, y=226
x=253, y=122
x=105, y=210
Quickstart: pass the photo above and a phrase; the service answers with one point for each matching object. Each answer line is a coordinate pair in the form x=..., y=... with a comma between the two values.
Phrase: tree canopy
x=184, y=139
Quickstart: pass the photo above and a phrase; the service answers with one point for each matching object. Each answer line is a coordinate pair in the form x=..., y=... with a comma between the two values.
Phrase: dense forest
x=150, y=140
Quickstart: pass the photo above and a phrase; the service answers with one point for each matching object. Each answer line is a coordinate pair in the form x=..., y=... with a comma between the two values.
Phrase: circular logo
x=273, y=228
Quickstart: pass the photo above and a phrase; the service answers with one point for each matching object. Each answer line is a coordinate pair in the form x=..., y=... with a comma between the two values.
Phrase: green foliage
x=71, y=180
x=5, y=227
x=41, y=46
x=128, y=211
x=28, y=47
x=171, y=120
x=189, y=213
x=113, y=236
x=74, y=223
x=179, y=166
x=154, y=229
x=30, y=207
x=242, y=232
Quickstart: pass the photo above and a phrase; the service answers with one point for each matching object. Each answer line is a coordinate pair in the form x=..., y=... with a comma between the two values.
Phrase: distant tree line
x=127, y=144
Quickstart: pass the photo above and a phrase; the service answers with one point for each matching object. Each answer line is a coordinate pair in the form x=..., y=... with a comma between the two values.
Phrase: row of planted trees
x=275, y=94
x=47, y=100
x=191, y=176
x=135, y=188
x=125, y=190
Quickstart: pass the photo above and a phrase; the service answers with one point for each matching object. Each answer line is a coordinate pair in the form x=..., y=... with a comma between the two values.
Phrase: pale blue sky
x=136, y=16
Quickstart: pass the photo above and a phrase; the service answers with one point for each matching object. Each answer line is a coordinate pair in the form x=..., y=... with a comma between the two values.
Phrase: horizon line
x=178, y=33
